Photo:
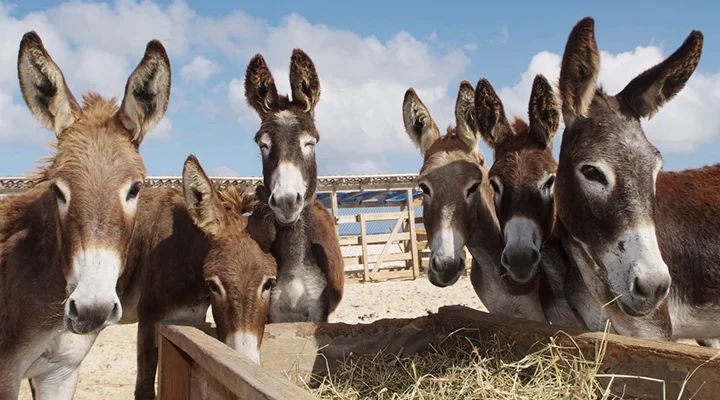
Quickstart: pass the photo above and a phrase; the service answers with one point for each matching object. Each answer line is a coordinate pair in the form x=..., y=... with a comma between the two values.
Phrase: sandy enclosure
x=108, y=372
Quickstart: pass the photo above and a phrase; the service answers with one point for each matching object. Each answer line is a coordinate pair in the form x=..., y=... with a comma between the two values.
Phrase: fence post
x=363, y=241
x=334, y=205
x=173, y=371
x=413, y=234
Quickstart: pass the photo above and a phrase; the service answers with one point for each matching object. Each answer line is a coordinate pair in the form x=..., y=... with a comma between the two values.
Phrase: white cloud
x=681, y=126
x=199, y=70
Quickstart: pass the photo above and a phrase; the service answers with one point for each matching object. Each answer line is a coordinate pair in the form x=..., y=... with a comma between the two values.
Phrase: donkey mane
x=95, y=110
x=237, y=204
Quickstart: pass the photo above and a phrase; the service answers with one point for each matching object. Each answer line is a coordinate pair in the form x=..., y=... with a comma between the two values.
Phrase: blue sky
x=367, y=55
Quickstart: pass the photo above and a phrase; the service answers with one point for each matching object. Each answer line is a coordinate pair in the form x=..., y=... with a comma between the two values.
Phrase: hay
x=467, y=367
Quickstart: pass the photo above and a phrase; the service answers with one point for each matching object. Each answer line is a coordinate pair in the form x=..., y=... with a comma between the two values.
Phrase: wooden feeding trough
x=193, y=365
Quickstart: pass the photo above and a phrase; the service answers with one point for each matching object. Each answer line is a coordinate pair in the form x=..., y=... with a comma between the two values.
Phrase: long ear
x=260, y=91
x=579, y=71
x=419, y=125
x=465, y=115
x=543, y=111
x=43, y=86
x=201, y=199
x=304, y=81
x=147, y=92
x=490, y=113
x=653, y=88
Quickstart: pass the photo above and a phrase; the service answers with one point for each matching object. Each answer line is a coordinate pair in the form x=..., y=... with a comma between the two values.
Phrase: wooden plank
x=348, y=219
x=354, y=240
x=205, y=387
x=334, y=207
x=387, y=245
x=237, y=373
x=363, y=241
x=384, y=216
x=413, y=236
x=173, y=372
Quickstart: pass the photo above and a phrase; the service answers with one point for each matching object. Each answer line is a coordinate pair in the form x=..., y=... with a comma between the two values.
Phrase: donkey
x=523, y=178
x=458, y=208
x=63, y=243
x=631, y=229
x=191, y=250
x=310, y=265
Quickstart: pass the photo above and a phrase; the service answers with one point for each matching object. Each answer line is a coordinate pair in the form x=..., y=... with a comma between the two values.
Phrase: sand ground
x=108, y=372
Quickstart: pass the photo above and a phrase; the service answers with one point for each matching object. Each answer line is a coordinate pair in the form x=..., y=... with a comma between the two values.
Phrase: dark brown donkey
x=523, y=178
x=631, y=229
x=191, y=250
x=458, y=208
x=306, y=247
x=63, y=243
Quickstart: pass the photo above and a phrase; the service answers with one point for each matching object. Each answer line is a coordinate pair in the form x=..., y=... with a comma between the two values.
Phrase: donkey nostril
x=504, y=259
x=72, y=310
x=638, y=289
x=662, y=289
x=272, y=202
x=535, y=258
x=298, y=198
x=115, y=311
x=461, y=265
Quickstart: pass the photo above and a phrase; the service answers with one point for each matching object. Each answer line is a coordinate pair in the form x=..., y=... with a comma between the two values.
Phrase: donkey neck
x=292, y=243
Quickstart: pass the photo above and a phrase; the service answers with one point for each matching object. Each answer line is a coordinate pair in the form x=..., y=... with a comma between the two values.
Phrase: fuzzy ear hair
x=490, y=114
x=260, y=91
x=543, y=111
x=419, y=125
x=579, y=71
x=147, y=92
x=465, y=118
x=653, y=88
x=201, y=198
x=43, y=86
x=304, y=81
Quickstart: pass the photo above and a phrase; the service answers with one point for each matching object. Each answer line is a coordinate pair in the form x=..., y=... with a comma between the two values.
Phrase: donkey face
x=523, y=173
x=96, y=174
x=453, y=178
x=607, y=168
x=287, y=135
x=238, y=273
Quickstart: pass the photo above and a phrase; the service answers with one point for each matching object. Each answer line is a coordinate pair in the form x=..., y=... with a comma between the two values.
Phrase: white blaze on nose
x=522, y=232
x=287, y=180
x=447, y=242
x=93, y=278
x=246, y=343
x=636, y=254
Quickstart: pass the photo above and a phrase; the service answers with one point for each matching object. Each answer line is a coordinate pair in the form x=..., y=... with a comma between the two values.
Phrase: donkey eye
x=58, y=193
x=495, y=186
x=550, y=182
x=472, y=189
x=310, y=144
x=593, y=174
x=425, y=189
x=269, y=284
x=134, y=191
x=214, y=287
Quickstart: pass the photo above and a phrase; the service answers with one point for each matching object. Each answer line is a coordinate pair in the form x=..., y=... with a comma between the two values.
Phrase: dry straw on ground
x=464, y=367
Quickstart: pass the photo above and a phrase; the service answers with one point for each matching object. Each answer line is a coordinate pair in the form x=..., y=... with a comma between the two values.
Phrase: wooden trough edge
x=185, y=348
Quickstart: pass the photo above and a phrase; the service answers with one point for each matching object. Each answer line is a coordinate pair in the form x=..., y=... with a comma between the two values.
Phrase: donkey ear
x=465, y=115
x=260, y=91
x=201, y=199
x=490, y=113
x=147, y=92
x=419, y=125
x=43, y=86
x=653, y=88
x=579, y=71
x=543, y=111
x=304, y=81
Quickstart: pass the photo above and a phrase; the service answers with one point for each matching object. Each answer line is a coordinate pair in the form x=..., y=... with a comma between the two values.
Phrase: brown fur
x=174, y=256
x=306, y=248
x=680, y=205
x=75, y=206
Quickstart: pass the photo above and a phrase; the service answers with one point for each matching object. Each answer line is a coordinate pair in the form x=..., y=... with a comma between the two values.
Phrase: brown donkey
x=631, y=229
x=191, y=250
x=458, y=208
x=306, y=247
x=523, y=178
x=63, y=243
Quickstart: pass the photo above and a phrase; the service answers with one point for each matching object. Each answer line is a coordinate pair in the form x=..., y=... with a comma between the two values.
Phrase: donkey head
x=457, y=198
x=523, y=173
x=607, y=169
x=238, y=273
x=287, y=135
x=96, y=175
